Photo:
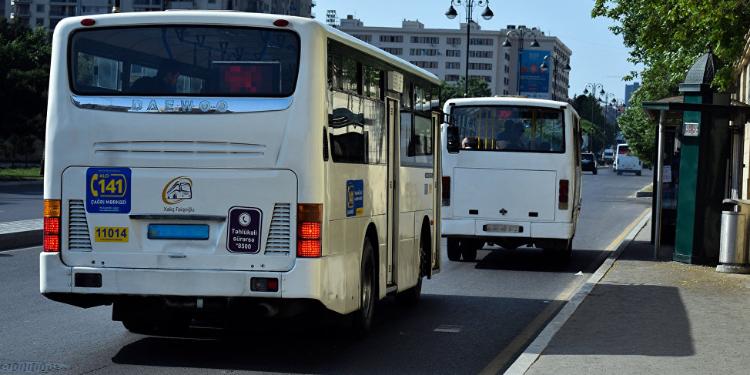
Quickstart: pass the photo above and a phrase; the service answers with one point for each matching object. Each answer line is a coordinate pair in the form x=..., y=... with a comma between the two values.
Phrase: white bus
x=201, y=162
x=511, y=175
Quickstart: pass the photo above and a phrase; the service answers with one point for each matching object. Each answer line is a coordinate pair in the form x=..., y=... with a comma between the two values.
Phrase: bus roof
x=508, y=100
x=236, y=18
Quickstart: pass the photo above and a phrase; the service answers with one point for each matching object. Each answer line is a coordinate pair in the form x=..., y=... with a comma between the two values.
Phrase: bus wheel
x=411, y=295
x=362, y=318
x=561, y=250
x=468, y=250
x=454, y=252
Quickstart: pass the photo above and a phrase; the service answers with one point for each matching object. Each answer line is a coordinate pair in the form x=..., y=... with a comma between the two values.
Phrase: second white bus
x=511, y=175
x=202, y=162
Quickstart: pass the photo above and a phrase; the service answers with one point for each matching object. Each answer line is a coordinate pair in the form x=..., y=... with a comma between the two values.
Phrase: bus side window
x=416, y=135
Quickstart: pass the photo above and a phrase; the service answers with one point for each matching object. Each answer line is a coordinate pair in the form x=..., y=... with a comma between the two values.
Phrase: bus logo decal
x=178, y=106
x=108, y=190
x=177, y=190
x=354, y=198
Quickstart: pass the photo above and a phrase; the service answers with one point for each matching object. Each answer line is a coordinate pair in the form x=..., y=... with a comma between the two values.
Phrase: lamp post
x=555, y=60
x=520, y=34
x=594, y=98
x=469, y=6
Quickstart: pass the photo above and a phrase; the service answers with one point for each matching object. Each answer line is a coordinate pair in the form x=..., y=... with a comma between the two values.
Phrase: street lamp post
x=469, y=6
x=519, y=34
x=555, y=60
x=593, y=87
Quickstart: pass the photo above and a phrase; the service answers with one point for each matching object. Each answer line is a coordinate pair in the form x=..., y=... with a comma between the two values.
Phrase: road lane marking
x=549, y=323
x=446, y=328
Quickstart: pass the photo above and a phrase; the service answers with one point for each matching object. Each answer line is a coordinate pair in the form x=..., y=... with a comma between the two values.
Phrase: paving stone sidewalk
x=655, y=317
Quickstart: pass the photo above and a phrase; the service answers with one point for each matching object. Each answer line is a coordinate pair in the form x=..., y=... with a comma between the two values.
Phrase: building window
x=425, y=39
x=394, y=51
x=392, y=38
x=480, y=66
x=481, y=42
x=453, y=52
x=40, y=21
x=452, y=65
x=40, y=8
x=507, y=56
x=364, y=38
x=426, y=64
x=481, y=54
x=454, y=41
x=506, y=81
x=507, y=69
x=451, y=77
x=487, y=79
x=423, y=52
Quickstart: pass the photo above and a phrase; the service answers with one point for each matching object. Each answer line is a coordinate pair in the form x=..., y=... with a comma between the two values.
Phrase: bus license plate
x=111, y=234
x=505, y=228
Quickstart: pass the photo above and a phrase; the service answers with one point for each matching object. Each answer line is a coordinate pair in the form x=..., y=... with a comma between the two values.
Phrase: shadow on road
x=534, y=260
x=403, y=340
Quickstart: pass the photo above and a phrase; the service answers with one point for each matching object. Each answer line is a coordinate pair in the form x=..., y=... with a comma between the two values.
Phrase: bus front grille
x=78, y=227
x=278, y=241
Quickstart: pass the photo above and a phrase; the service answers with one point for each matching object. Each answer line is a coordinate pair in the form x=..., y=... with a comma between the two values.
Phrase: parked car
x=588, y=162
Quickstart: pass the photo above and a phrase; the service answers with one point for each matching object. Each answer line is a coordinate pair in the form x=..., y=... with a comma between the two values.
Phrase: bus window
x=189, y=60
x=508, y=128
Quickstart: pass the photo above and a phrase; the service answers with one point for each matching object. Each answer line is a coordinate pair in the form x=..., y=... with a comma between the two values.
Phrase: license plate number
x=505, y=228
x=111, y=234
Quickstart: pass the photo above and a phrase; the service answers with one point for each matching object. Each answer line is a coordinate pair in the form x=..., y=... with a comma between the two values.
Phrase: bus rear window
x=508, y=128
x=184, y=60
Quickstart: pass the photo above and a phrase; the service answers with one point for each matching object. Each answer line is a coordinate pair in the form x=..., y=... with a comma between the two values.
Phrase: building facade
x=47, y=13
x=742, y=94
x=443, y=52
x=629, y=90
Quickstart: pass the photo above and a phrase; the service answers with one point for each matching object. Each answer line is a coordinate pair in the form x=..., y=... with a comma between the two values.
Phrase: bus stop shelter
x=705, y=129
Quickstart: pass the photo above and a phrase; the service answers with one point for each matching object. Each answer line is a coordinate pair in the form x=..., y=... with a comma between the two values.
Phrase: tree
x=602, y=133
x=666, y=37
x=24, y=79
x=477, y=88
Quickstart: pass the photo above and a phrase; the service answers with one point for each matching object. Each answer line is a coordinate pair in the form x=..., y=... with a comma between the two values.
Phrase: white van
x=625, y=161
x=511, y=175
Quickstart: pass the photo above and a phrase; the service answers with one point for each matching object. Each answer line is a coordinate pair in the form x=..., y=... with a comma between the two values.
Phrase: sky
x=598, y=55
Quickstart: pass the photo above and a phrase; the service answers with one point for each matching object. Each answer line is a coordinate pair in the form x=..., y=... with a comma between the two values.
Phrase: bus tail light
x=51, y=233
x=446, y=188
x=309, y=230
x=562, y=202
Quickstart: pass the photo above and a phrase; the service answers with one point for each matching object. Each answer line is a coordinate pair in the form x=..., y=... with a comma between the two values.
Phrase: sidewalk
x=659, y=317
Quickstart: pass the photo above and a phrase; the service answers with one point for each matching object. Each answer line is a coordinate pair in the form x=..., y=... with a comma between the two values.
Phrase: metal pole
x=469, y=5
x=659, y=184
x=736, y=160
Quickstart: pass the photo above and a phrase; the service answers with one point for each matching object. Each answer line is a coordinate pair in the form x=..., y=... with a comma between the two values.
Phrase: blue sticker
x=108, y=190
x=354, y=198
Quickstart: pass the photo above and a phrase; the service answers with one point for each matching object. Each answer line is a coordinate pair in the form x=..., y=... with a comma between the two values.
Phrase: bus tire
x=454, y=252
x=411, y=296
x=468, y=250
x=362, y=318
x=561, y=250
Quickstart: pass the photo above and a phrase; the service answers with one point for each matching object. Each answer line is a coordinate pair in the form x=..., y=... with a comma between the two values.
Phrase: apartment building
x=443, y=52
x=47, y=13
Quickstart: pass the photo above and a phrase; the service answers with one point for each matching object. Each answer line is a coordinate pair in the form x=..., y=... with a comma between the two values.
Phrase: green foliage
x=667, y=35
x=24, y=79
x=477, y=88
x=602, y=133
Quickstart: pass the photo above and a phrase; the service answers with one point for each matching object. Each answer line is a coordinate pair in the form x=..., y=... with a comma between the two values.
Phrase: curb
x=643, y=193
x=532, y=352
x=18, y=240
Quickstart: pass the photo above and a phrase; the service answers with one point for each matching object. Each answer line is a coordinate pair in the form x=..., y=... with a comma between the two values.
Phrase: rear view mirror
x=454, y=143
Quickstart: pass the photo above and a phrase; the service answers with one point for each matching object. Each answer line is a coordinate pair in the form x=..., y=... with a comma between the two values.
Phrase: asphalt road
x=20, y=200
x=471, y=314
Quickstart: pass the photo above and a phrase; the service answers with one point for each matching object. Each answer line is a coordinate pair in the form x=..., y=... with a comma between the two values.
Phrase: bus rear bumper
x=482, y=229
x=92, y=286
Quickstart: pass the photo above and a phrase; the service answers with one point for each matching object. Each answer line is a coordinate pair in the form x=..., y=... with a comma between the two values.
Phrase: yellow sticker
x=111, y=234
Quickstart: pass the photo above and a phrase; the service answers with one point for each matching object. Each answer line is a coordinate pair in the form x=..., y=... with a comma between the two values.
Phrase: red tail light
x=446, y=191
x=562, y=195
x=309, y=230
x=51, y=233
